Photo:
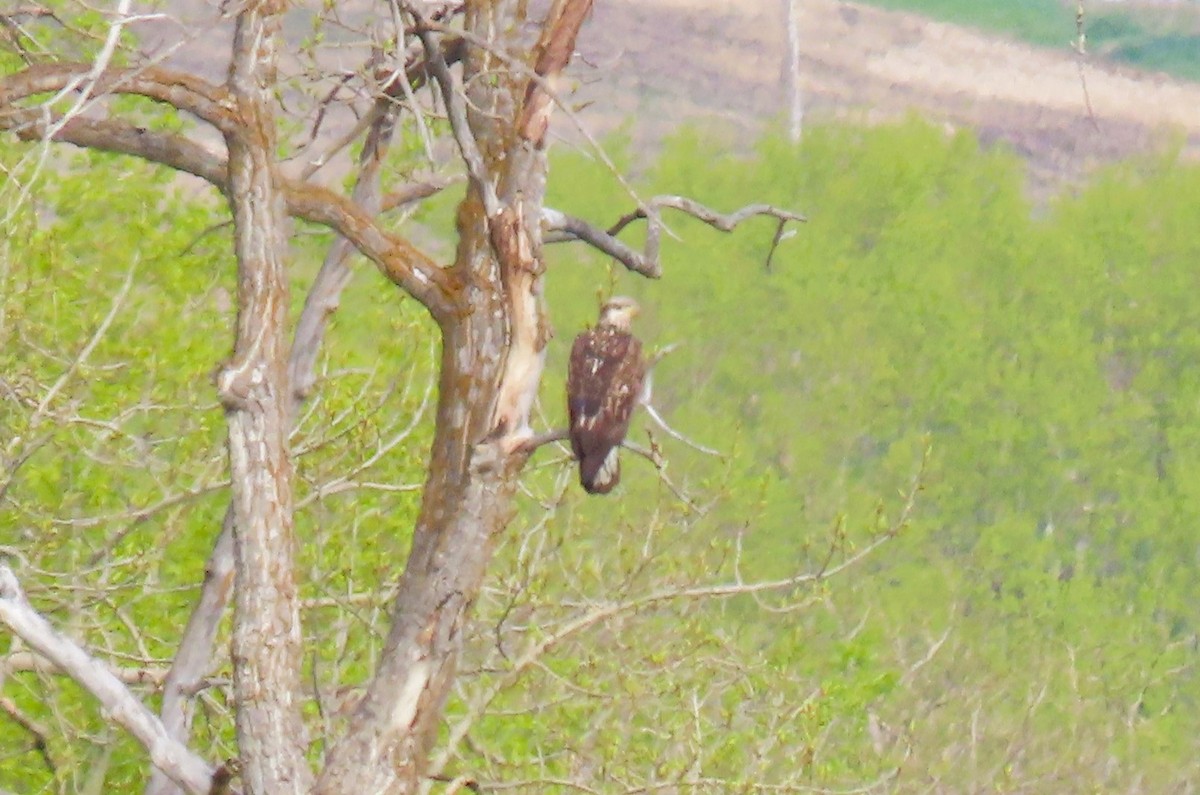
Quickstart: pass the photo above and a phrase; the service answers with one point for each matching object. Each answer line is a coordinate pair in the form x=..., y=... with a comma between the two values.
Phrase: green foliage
x=1046, y=361
x=1032, y=624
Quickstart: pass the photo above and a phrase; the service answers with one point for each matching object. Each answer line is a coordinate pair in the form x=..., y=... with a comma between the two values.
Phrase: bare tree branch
x=183, y=766
x=194, y=654
x=109, y=135
x=181, y=90
x=416, y=191
x=253, y=388
x=674, y=434
x=399, y=260
x=564, y=228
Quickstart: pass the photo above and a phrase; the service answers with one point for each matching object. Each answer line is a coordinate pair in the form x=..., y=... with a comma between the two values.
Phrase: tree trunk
x=492, y=356
x=253, y=387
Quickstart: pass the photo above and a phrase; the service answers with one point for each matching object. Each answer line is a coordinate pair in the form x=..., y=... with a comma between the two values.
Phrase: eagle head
x=618, y=312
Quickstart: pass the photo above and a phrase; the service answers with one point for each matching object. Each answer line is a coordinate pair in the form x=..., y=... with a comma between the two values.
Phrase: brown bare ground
x=721, y=63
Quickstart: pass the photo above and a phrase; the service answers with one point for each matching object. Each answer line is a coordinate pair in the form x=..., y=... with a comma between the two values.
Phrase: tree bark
x=254, y=389
x=492, y=357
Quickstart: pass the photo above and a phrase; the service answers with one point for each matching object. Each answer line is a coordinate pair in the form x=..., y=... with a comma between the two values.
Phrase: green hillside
x=1033, y=628
x=1161, y=37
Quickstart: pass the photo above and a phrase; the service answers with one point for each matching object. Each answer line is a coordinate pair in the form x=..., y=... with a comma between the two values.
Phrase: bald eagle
x=604, y=384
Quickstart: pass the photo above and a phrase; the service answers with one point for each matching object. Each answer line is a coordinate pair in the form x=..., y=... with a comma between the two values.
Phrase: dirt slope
x=723, y=62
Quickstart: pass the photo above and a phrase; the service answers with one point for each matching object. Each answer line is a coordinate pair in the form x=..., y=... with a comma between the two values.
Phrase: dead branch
x=674, y=434
x=324, y=296
x=179, y=762
x=194, y=653
x=561, y=228
x=549, y=437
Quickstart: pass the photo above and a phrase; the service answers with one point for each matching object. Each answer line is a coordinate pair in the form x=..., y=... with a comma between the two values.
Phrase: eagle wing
x=604, y=383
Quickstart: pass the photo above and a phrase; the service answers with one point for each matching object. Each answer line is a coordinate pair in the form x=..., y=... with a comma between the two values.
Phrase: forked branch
x=562, y=228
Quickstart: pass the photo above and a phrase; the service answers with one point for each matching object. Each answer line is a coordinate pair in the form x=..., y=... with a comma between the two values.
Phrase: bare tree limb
x=724, y=222
x=183, y=766
x=399, y=260
x=108, y=135
x=416, y=191
x=674, y=434
x=194, y=654
x=181, y=90
x=563, y=228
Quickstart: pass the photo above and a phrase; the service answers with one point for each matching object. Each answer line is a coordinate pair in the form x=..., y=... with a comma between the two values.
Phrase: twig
x=674, y=434
x=415, y=191
x=28, y=661
x=80, y=359
x=1080, y=48
x=41, y=735
x=458, y=782
x=549, y=437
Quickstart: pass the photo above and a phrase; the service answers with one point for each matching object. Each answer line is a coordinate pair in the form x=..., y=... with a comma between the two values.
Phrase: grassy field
x=1157, y=37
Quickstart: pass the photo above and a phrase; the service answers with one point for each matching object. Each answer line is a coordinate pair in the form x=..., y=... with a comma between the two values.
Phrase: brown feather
x=604, y=383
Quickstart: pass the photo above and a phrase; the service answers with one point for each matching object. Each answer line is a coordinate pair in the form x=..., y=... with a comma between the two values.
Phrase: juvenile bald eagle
x=604, y=384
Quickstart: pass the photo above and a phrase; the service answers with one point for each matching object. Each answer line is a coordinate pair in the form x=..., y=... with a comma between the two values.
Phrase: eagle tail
x=600, y=473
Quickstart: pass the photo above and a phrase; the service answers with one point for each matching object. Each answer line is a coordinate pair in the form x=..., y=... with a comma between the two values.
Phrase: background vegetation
x=1033, y=629
x=1158, y=36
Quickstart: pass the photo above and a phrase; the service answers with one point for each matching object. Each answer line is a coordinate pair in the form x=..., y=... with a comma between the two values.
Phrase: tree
x=494, y=68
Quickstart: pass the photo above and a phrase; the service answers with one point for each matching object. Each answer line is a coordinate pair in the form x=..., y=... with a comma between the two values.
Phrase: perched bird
x=604, y=383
